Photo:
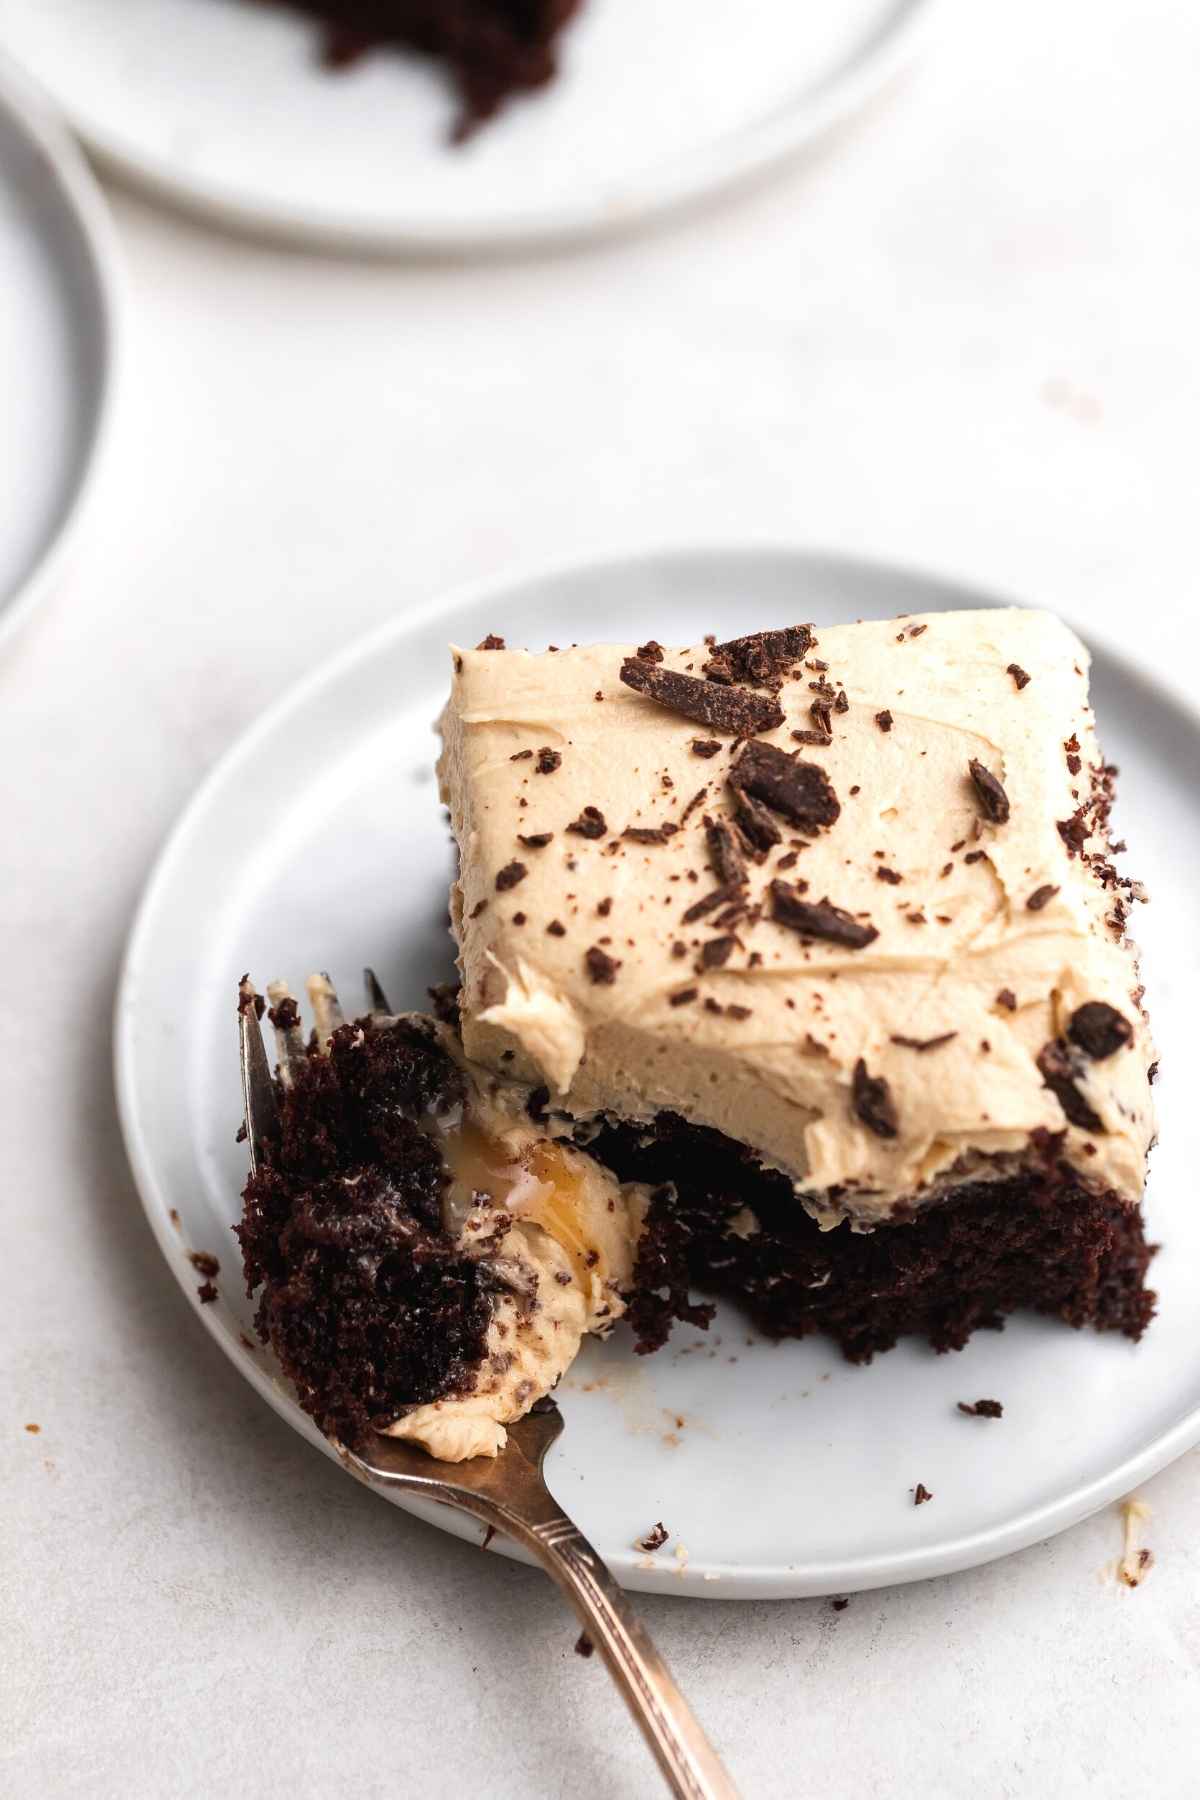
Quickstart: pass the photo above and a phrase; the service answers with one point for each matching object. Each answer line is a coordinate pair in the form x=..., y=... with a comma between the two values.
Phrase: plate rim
x=26, y=102
x=733, y=1581
x=684, y=182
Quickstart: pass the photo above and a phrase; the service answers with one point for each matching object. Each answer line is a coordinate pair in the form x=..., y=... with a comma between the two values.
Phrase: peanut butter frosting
x=924, y=972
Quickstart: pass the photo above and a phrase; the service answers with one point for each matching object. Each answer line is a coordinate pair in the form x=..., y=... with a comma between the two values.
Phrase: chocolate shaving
x=684, y=997
x=921, y=1494
x=537, y=841
x=653, y=1540
x=763, y=655
x=821, y=740
x=889, y=875
x=697, y=799
x=1019, y=675
x=799, y=791
x=705, y=746
x=651, y=651
x=707, y=903
x=1099, y=1029
x=821, y=716
x=1040, y=897
x=1059, y=1074
x=548, y=760
x=992, y=798
x=737, y=1012
x=982, y=1409
x=716, y=952
x=818, y=920
x=491, y=642
x=601, y=966
x=589, y=824
x=921, y=1045
x=842, y=703
x=520, y=755
x=509, y=876
x=731, y=710
x=758, y=829
x=650, y=834
x=873, y=1102
x=724, y=853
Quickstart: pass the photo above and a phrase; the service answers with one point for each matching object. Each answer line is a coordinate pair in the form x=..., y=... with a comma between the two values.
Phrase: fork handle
x=692, y=1769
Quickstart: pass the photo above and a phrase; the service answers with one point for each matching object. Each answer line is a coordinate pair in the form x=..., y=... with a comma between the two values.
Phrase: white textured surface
x=965, y=336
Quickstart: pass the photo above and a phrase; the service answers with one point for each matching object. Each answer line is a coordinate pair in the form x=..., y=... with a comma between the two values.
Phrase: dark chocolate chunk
x=285, y=1015
x=840, y=1604
x=884, y=720
x=1040, y=897
x=923, y=1044
x=547, y=760
x=604, y=907
x=873, y=1102
x=1019, y=675
x=651, y=651
x=716, y=952
x=758, y=829
x=537, y=841
x=819, y=919
x=842, y=703
x=1099, y=1029
x=653, y=1540
x=589, y=824
x=799, y=791
x=993, y=800
x=921, y=1494
x=556, y=928
x=705, y=746
x=1059, y=1073
x=724, y=853
x=601, y=966
x=207, y=1293
x=509, y=876
x=727, y=709
x=763, y=655
x=982, y=1409
x=491, y=642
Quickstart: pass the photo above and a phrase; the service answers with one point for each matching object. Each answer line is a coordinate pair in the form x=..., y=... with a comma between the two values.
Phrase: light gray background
x=965, y=335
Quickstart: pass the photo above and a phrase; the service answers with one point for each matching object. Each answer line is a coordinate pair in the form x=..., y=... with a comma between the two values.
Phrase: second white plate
x=319, y=843
x=222, y=105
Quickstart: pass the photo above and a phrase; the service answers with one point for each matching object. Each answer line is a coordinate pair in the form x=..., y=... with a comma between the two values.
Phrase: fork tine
x=258, y=1090
x=322, y=997
x=289, y=1038
x=377, y=1000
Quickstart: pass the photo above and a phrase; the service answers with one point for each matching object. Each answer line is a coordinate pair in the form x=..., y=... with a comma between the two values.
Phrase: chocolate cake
x=492, y=49
x=836, y=1019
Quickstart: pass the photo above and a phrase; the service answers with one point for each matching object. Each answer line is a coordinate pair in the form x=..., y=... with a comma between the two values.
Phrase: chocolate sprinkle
x=818, y=920
x=873, y=1102
x=1059, y=1072
x=705, y=746
x=800, y=791
x=1019, y=675
x=509, y=876
x=921, y=1045
x=537, y=841
x=601, y=966
x=589, y=824
x=1040, y=897
x=1099, y=1030
x=731, y=710
x=992, y=798
x=548, y=760
x=763, y=655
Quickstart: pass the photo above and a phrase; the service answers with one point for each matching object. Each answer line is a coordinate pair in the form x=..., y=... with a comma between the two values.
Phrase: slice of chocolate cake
x=493, y=49
x=819, y=936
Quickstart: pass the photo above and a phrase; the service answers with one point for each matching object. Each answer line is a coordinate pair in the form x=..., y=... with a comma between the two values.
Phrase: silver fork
x=507, y=1492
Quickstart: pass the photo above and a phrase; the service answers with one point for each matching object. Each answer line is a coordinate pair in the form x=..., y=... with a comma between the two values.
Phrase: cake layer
x=843, y=895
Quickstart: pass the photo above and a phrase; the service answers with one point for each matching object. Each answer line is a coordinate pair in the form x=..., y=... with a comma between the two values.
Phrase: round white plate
x=319, y=843
x=222, y=105
x=57, y=342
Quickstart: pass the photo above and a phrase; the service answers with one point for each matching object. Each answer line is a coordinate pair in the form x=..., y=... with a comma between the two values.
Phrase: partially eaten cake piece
x=794, y=969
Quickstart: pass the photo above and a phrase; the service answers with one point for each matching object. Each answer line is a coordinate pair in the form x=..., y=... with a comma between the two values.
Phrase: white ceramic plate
x=319, y=842
x=57, y=343
x=222, y=105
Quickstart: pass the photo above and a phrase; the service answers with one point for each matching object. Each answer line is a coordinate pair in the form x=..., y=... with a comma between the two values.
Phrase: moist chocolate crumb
x=763, y=655
x=650, y=834
x=678, y=949
x=983, y=1409
x=684, y=997
x=207, y=1293
x=705, y=746
x=800, y=792
x=589, y=824
x=921, y=1494
x=716, y=952
x=707, y=903
x=286, y=1015
x=556, y=928
x=491, y=642
x=873, y=1102
x=889, y=875
x=604, y=907
x=1099, y=1029
x=1019, y=675
x=653, y=1540
x=601, y=966
x=819, y=919
x=842, y=703
x=921, y=1045
x=1040, y=897
x=724, y=853
x=1007, y=999
x=547, y=761
x=1059, y=1072
x=884, y=720
x=650, y=651
x=509, y=876
x=584, y=1645
x=840, y=1604
x=204, y=1263
x=734, y=711
x=520, y=755
x=992, y=798
x=757, y=829
x=536, y=840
